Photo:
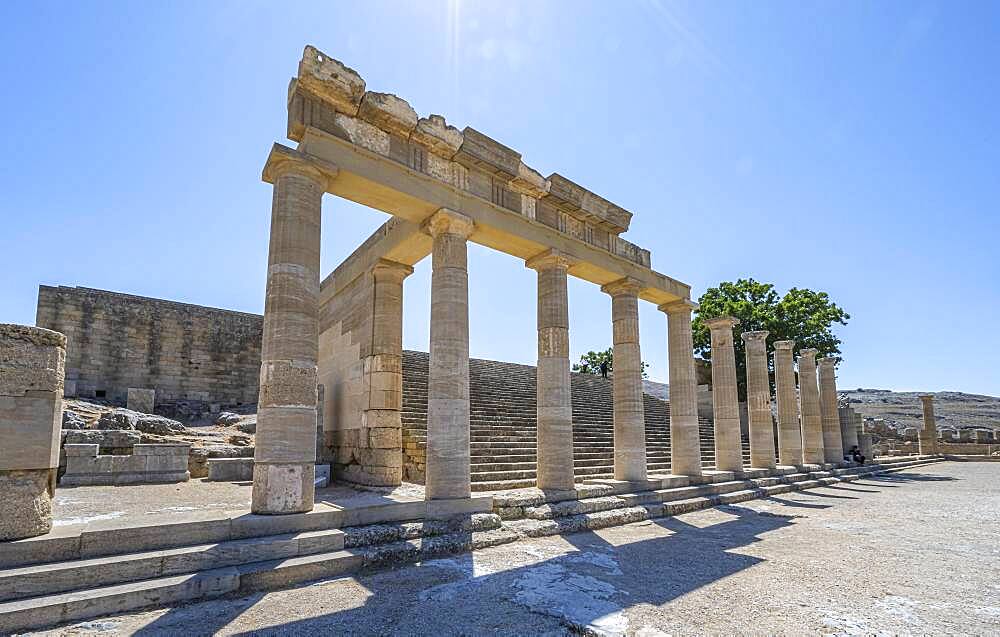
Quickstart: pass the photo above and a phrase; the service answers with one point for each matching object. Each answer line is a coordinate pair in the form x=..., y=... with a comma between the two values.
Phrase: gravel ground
x=908, y=553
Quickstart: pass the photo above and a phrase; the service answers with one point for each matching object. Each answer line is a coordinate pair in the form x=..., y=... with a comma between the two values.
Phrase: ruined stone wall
x=184, y=352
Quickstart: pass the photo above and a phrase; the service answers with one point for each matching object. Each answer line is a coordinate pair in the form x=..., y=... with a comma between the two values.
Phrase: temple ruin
x=336, y=393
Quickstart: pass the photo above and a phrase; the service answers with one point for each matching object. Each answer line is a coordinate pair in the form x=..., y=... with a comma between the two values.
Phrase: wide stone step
x=36, y=612
x=58, y=577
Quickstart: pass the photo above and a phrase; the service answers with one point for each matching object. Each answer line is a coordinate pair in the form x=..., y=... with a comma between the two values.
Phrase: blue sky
x=850, y=147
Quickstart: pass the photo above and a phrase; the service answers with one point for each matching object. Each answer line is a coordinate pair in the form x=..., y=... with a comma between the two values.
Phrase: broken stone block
x=72, y=420
x=484, y=153
x=437, y=136
x=331, y=81
x=389, y=112
x=140, y=400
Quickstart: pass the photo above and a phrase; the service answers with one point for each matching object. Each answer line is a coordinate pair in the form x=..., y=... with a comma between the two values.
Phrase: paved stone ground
x=908, y=553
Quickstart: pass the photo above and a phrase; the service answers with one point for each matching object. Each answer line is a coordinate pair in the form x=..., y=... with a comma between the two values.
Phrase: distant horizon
x=846, y=148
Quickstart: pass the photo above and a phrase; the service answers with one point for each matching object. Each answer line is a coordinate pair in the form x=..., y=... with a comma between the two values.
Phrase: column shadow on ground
x=583, y=588
x=576, y=592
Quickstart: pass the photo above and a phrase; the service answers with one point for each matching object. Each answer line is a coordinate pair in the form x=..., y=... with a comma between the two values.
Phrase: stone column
x=759, y=401
x=789, y=432
x=630, y=424
x=448, y=457
x=382, y=426
x=32, y=373
x=685, y=444
x=725, y=397
x=927, y=439
x=848, y=428
x=812, y=422
x=554, y=397
x=833, y=444
x=285, y=453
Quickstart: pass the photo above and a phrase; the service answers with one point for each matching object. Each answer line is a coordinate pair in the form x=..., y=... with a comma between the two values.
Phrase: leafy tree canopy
x=801, y=315
x=590, y=363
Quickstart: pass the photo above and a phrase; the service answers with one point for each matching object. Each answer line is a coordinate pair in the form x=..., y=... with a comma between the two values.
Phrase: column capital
x=926, y=397
x=721, y=323
x=625, y=285
x=678, y=307
x=757, y=336
x=784, y=345
x=386, y=270
x=283, y=160
x=826, y=361
x=808, y=353
x=446, y=221
x=550, y=259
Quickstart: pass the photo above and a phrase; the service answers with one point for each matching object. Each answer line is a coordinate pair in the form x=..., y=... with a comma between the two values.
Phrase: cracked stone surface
x=904, y=553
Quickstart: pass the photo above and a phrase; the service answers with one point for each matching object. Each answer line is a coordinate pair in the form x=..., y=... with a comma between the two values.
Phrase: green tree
x=590, y=362
x=802, y=315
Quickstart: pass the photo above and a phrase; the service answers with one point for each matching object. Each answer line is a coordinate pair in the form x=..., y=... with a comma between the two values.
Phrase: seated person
x=856, y=456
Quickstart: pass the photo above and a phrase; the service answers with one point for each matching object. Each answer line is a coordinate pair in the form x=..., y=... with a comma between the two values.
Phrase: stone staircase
x=503, y=426
x=67, y=577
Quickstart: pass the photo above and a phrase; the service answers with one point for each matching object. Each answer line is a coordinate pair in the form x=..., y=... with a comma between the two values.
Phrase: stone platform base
x=210, y=557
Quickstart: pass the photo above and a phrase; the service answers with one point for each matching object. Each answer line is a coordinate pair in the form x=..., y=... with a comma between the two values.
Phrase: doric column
x=630, y=424
x=759, y=401
x=927, y=439
x=32, y=373
x=789, y=432
x=448, y=464
x=285, y=453
x=833, y=444
x=725, y=397
x=554, y=398
x=848, y=428
x=812, y=422
x=381, y=460
x=685, y=446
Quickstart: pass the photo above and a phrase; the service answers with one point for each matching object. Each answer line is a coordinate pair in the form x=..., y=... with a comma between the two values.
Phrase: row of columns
x=286, y=440
x=808, y=432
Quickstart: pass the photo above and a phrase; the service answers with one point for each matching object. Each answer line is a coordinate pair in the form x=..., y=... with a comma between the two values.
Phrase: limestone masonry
x=115, y=342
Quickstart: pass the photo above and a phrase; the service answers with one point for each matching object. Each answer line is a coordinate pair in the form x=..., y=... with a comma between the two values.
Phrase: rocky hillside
x=953, y=410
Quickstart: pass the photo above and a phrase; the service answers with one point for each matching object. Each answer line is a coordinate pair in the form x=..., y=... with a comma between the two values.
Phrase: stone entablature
x=331, y=97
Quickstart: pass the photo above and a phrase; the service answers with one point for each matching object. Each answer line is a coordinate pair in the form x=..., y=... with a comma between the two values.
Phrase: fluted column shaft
x=554, y=396
x=833, y=443
x=725, y=396
x=629, y=419
x=285, y=447
x=812, y=422
x=759, y=401
x=927, y=438
x=448, y=473
x=789, y=432
x=685, y=446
